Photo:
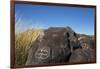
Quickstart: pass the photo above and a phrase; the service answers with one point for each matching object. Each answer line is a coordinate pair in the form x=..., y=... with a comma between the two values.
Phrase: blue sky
x=28, y=16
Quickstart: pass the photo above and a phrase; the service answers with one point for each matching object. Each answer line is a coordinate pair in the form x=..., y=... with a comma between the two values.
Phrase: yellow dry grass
x=23, y=41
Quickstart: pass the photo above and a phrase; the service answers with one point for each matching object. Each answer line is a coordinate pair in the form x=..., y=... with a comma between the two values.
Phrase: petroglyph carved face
x=83, y=42
x=42, y=53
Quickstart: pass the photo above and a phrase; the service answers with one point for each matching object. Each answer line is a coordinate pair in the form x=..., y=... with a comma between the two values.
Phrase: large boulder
x=82, y=56
x=52, y=47
x=60, y=45
x=85, y=54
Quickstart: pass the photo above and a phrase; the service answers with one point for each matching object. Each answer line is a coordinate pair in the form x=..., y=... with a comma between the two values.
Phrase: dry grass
x=23, y=41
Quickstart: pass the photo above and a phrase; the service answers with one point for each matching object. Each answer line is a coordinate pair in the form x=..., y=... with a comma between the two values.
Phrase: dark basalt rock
x=58, y=45
x=82, y=56
x=85, y=54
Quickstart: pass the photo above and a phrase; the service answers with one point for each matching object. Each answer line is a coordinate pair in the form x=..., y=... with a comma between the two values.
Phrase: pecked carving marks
x=42, y=53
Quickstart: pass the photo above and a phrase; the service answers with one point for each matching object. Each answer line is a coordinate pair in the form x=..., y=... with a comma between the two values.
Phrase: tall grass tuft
x=23, y=41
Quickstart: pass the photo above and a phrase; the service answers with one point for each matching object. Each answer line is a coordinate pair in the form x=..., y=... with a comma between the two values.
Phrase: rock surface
x=59, y=45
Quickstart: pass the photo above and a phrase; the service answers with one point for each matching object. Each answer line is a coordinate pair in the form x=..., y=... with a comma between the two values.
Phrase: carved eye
x=42, y=53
